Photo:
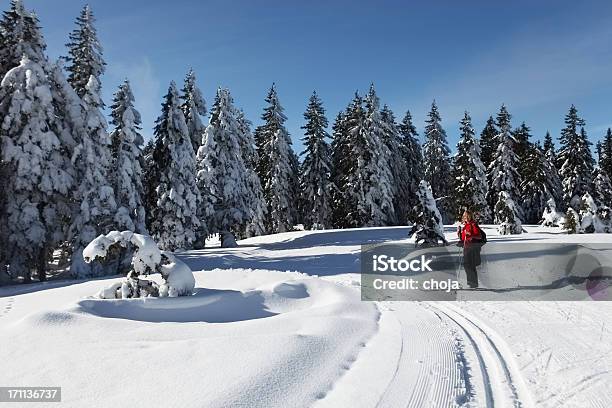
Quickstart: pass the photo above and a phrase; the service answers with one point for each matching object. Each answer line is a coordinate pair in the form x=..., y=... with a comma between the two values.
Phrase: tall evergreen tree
x=605, y=158
x=503, y=175
x=428, y=227
x=316, y=185
x=174, y=213
x=574, y=160
x=257, y=203
x=549, y=148
x=221, y=168
x=342, y=163
x=540, y=184
x=488, y=144
x=194, y=107
x=437, y=161
x=400, y=170
x=126, y=173
x=276, y=166
x=522, y=147
x=601, y=188
x=469, y=175
x=84, y=54
x=411, y=153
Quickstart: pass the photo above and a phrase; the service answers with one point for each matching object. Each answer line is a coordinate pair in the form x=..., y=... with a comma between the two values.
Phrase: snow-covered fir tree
x=601, y=188
x=400, y=169
x=507, y=215
x=276, y=166
x=94, y=193
x=575, y=161
x=437, y=161
x=605, y=156
x=592, y=218
x=377, y=208
x=428, y=228
x=411, y=154
x=194, y=107
x=551, y=217
x=257, y=204
x=126, y=173
x=19, y=36
x=522, y=147
x=315, y=183
x=221, y=169
x=469, y=188
x=488, y=143
x=539, y=185
x=549, y=148
x=174, y=214
x=84, y=53
x=342, y=163
x=571, y=222
x=502, y=174
x=38, y=171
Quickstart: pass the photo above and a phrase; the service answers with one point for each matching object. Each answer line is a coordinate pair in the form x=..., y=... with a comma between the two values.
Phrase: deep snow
x=298, y=336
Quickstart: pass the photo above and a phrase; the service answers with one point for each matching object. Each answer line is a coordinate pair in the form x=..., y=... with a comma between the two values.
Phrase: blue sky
x=537, y=57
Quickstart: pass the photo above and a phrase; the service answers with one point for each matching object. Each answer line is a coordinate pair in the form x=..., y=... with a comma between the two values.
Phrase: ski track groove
x=493, y=364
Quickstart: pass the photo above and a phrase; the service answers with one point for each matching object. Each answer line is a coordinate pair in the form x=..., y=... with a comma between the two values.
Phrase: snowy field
x=278, y=322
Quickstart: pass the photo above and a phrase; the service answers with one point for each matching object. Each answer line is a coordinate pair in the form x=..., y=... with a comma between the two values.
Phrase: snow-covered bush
x=147, y=259
x=591, y=218
x=428, y=228
x=507, y=215
x=551, y=217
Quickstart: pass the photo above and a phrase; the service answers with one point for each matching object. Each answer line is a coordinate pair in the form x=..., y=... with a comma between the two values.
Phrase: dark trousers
x=471, y=253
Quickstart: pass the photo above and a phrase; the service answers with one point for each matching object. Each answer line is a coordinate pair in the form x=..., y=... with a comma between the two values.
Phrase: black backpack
x=483, y=236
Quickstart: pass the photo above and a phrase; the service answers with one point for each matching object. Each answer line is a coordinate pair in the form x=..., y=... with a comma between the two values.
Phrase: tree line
x=66, y=176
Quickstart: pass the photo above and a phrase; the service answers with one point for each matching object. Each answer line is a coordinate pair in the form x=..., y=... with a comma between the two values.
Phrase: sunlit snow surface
x=278, y=321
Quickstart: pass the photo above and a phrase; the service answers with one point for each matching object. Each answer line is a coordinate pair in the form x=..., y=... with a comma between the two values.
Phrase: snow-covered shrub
x=428, y=228
x=147, y=259
x=591, y=218
x=570, y=223
x=551, y=217
x=507, y=215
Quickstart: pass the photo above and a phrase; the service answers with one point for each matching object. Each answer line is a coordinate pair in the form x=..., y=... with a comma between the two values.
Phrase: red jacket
x=470, y=231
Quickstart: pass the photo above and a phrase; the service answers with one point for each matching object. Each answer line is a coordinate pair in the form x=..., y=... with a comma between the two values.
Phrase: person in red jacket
x=469, y=234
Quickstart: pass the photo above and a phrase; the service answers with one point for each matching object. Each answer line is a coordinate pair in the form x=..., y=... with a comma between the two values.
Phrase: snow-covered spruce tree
x=315, y=179
x=437, y=161
x=221, y=169
x=428, y=228
x=94, y=192
x=276, y=166
x=539, y=185
x=469, y=189
x=522, y=147
x=38, y=173
x=549, y=148
x=571, y=222
x=400, y=169
x=488, y=143
x=84, y=53
x=410, y=152
x=601, y=188
x=377, y=208
x=342, y=164
x=194, y=107
x=502, y=174
x=174, y=214
x=126, y=172
x=19, y=36
x=575, y=161
x=591, y=218
x=257, y=204
x=551, y=217
x=507, y=215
